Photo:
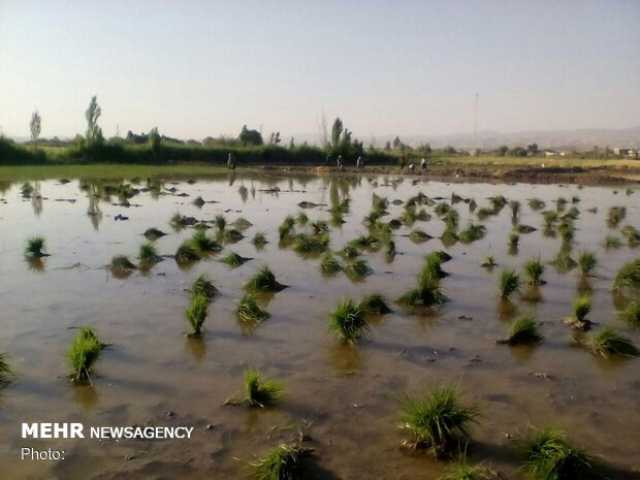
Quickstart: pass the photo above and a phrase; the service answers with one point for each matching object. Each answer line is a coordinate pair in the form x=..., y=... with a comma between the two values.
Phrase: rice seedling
x=286, y=227
x=444, y=256
x=509, y=283
x=514, y=241
x=632, y=235
x=259, y=391
x=242, y=223
x=148, y=254
x=198, y=202
x=364, y=242
x=26, y=190
x=196, y=313
x=329, y=265
x=82, y=355
x=442, y=209
x=449, y=237
x=5, y=370
x=549, y=456
x=231, y=235
x=259, y=240
x=534, y=269
x=522, y=331
x=122, y=263
x=433, y=262
x=186, y=253
x=615, y=216
x=349, y=252
x=561, y=204
x=390, y=251
x=348, y=322
x=419, y=236
x=35, y=247
x=515, y=211
x=550, y=218
x=249, y=312
x=631, y=313
x=283, y=462
x=472, y=233
x=536, y=204
x=581, y=308
x=498, y=203
x=524, y=229
x=489, y=263
x=204, y=287
x=612, y=243
x=153, y=234
x=428, y=291
x=319, y=227
x=234, y=260
x=451, y=219
x=379, y=204
x=220, y=222
x=264, y=281
x=374, y=304
x=302, y=218
x=563, y=261
x=437, y=420
x=356, y=269
x=607, y=343
x=203, y=243
x=587, y=262
x=628, y=276
x=310, y=244
x=464, y=471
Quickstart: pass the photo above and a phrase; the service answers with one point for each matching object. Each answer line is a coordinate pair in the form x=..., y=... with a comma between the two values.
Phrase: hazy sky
x=408, y=67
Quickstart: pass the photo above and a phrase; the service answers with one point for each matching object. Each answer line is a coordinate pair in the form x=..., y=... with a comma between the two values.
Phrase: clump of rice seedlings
x=203, y=286
x=234, y=260
x=612, y=242
x=631, y=313
x=5, y=370
x=259, y=391
x=196, y=313
x=433, y=262
x=242, y=223
x=444, y=256
x=563, y=261
x=615, y=216
x=186, y=253
x=374, y=304
x=259, y=240
x=514, y=241
x=550, y=218
x=310, y=244
x=438, y=420
x=379, y=204
x=364, y=242
x=356, y=268
x=203, y=243
x=152, y=234
x=561, y=203
x=319, y=227
x=498, y=202
x=509, y=283
x=26, y=189
x=536, y=204
x=587, y=262
x=286, y=227
x=464, y=471
x=35, y=247
x=523, y=330
x=581, y=308
x=349, y=252
x=534, y=269
x=82, y=355
x=148, y=254
x=472, y=233
x=220, y=222
x=348, y=322
x=419, y=236
x=628, y=276
x=231, y=235
x=122, y=263
x=198, y=202
x=472, y=205
x=248, y=311
x=264, y=281
x=549, y=456
x=489, y=263
x=515, y=210
x=178, y=221
x=302, y=218
x=451, y=219
x=521, y=228
x=449, y=237
x=428, y=291
x=607, y=342
x=283, y=462
x=329, y=265
x=390, y=250
x=441, y=209
x=632, y=235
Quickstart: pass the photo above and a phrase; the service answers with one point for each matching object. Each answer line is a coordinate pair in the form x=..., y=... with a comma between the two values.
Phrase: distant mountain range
x=583, y=139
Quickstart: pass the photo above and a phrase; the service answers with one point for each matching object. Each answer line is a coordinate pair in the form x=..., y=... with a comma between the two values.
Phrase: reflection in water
x=584, y=286
x=244, y=193
x=533, y=294
x=93, y=211
x=506, y=309
x=197, y=346
x=86, y=396
x=36, y=200
x=522, y=353
x=35, y=264
x=345, y=358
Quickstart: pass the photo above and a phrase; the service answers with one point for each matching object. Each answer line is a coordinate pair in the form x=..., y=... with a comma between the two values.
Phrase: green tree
x=36, y=127
x=154, y=140
x=336, y=133
x=502, y=150
x=94, y=132
x=250, y=137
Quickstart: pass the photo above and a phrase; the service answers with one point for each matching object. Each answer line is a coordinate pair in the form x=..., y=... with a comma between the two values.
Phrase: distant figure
x=328, y=160
x=231, y=164
x=339, y=162
x=423, y=164
x=412, y=167
x=359, y=162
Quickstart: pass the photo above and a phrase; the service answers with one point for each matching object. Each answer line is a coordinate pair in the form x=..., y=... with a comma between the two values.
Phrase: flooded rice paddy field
x=345, y=400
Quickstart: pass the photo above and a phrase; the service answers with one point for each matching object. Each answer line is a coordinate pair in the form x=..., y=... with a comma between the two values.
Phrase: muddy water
x=345, y=400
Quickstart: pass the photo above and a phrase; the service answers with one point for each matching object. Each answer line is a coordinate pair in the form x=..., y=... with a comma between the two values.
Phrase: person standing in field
x=339, y=162
x=423, y=164
x=231, y=164
x=359, y=162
